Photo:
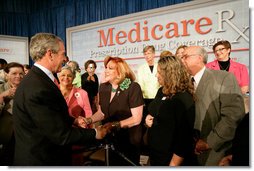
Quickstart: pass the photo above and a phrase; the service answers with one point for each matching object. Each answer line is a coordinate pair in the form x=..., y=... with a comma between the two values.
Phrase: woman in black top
x=121, y=106
x=90, y=83
x=172, y=115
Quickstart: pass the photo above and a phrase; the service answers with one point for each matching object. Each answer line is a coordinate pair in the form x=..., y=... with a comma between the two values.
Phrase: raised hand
x=9, y=93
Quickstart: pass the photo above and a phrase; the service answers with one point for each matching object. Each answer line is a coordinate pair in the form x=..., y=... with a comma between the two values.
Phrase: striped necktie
x=193, y=83
x=192, y=80
x=56, y=82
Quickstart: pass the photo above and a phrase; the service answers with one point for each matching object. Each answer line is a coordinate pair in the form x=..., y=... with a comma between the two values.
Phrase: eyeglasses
x=187, y=56
x=219, y=50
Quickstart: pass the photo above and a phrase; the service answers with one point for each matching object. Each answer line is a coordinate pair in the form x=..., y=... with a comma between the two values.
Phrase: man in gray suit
x=219, y=107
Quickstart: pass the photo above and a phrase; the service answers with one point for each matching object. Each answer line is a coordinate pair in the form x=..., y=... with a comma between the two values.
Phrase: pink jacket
x=78, y=103
x=239, y=70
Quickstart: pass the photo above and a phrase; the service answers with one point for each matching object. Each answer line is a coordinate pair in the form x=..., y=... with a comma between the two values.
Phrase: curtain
x=28, y=17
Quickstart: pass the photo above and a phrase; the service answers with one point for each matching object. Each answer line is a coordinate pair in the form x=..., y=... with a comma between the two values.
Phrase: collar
x=198, y=76
x=46, y=71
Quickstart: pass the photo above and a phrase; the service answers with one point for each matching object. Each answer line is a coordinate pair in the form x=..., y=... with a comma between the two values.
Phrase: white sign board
x=14, y=49
x=200, y=22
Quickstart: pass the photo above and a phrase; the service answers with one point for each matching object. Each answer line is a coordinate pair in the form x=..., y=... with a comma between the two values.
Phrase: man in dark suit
x=44, y=130
x=219, y=107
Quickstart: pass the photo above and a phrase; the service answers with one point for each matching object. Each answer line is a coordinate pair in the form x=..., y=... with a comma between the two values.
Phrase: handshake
x=103, y=130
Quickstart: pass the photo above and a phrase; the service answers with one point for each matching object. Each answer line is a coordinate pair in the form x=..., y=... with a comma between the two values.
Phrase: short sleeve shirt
x=120, y=106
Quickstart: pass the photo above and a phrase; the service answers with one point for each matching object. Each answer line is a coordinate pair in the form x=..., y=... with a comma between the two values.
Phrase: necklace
x=113, y=90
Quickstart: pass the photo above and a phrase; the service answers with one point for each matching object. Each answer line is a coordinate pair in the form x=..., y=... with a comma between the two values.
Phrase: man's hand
x=80, y=122
x=226, y=161
x=108, y=126
x=201, y=146
x=101, y=132
x=112, y=125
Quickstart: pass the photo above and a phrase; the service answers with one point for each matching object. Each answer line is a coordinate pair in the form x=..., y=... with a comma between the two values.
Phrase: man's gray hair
x=41, y=42
x=204, y=54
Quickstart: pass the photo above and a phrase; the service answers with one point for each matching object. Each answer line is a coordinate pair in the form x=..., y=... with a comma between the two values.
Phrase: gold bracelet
x=116, y=124
x=88, y=121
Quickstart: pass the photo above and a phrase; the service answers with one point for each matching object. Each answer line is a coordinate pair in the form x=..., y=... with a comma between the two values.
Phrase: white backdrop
x=14, y=49
x=200, y=22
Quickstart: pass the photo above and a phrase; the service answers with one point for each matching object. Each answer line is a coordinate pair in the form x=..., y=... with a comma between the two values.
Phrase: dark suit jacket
x=43, y=129
x=220, y=101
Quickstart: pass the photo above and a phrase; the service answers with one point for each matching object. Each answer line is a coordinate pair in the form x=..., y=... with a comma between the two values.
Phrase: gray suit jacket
x=219, y=108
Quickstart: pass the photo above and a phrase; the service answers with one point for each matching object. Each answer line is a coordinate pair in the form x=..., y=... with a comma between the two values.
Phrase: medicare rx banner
x=199, y=23
x=14, y=49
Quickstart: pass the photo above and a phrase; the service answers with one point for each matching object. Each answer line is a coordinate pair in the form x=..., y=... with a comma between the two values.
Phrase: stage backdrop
x=200, y=22
x=14, y=49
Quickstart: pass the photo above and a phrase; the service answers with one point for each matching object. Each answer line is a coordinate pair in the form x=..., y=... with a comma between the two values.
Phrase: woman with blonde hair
x=172, y=114
x=166, y=53
x=120, y=107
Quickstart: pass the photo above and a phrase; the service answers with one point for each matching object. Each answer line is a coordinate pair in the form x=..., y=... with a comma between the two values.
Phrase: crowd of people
x=179, y=110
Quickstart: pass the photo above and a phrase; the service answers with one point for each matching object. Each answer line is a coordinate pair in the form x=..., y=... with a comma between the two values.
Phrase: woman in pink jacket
x=222, y=51
x=77, y=101
x=76, y=98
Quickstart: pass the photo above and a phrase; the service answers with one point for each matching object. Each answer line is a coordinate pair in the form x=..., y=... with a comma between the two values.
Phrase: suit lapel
x=44, y=76
x=201, y=103
x=202, y=84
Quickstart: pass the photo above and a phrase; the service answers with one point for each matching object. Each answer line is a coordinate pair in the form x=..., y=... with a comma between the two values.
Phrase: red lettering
x=153, y=33
x=198, y=25
x=141, y=33
x=146, y=37
x=104, y=39
x=121, y=35
x=137, y=31
x=174, y=30
x=185, y=26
